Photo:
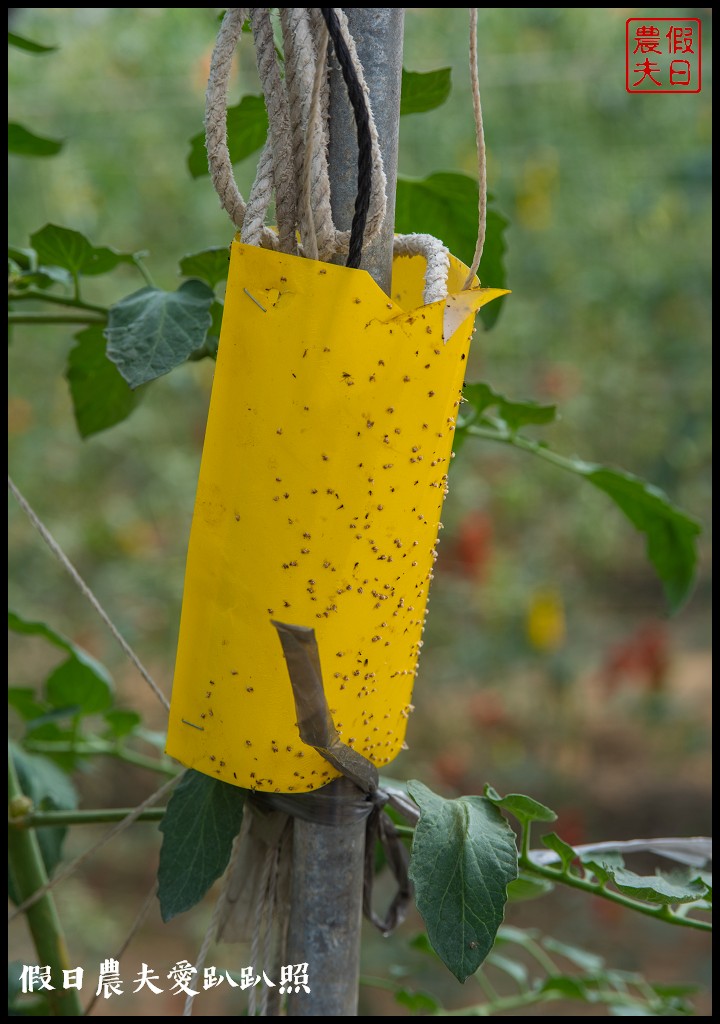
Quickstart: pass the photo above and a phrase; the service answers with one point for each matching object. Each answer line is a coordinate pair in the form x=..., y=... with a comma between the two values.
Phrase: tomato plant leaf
x=526, y=887
x=424, y=90
x=589, y=962
x=670, y=533
x=75, y=684
x=121, y=722
x=416, y=1002
x=152, y=331
x=247, y=128
x=202, y=819
x=49, y=788
x=463, y=858
x=655, y=888
x=29, y=45
x=445, y=205
x=26, y=143
x=63, y=247
x=524, y=808
x=100, y=396
x=210, y=265
x=507, y=415
x=79, y=682
x=565, y=853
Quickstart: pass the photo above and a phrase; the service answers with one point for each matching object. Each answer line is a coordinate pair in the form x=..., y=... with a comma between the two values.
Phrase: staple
x=254, y=300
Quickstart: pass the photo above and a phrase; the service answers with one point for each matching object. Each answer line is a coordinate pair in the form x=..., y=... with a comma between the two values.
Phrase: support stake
x=327, y=888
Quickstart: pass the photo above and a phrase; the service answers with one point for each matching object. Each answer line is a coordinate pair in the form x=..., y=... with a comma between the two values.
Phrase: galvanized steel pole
x=327, y=888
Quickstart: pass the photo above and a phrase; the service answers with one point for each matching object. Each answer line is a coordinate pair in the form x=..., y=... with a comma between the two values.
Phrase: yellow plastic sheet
x=322, y=479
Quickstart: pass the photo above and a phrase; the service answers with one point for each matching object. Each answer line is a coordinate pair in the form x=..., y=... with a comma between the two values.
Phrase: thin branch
x=55, y=318
x=596, y=889
x=60, y=819
x=55, y=300
x=91, y=748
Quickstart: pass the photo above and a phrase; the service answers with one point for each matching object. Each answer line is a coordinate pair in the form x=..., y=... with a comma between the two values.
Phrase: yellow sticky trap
x=323, y=475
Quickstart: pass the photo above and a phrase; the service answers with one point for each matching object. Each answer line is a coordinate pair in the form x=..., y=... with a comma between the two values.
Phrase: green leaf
x=49, y=788
x=210, y=265
x=509, y=415
x=421, y=91
x=602, y=869
x=416, y=1002
x=463, y=858
x=567, y=988
x=80, y=682
x=565, y=852
x=247, y=128
x=446, y=205
x=482, y=396
x=100, y=396
x=492, y=263
x=63, y=247
x=513, y=968
x=122, y=723
x=28, y=44
x=152, y=331
x=26, y=143
x=656, y=888
x=29, y=628
x=19, y=625
x=75, y=684
x=589, y=962
x=526, y=887
x=671, y=534
x=673, y=991
x=202, y=819
x=25, y=701
x=24, y=271
x=524, y=808
x=43, y=781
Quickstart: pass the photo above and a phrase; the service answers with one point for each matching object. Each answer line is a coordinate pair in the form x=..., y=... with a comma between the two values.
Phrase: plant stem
x=28, y=872
x=614, y=897
x=56, y=300
x=58, y=819
x=525, y=445
x=90, y=748
x=55, y=318
x=137, y=260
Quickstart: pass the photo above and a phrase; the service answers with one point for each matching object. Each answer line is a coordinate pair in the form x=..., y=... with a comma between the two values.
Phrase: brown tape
x=314, y=720
x=316, y=728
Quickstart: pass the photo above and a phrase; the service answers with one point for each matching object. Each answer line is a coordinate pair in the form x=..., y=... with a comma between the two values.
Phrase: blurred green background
x=549, y=665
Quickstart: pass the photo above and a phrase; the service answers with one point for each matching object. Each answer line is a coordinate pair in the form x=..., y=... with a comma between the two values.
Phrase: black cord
x=362, y=124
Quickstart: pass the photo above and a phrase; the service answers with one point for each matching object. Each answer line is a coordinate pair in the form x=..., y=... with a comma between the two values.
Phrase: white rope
x=480, y=145
x=279, y=134
x=116, y=830
x=86, y=591
x=260, y=915
x=314, y=171
x=294, y=162
x=212, y=928
x=269, y=915
x=437, y=256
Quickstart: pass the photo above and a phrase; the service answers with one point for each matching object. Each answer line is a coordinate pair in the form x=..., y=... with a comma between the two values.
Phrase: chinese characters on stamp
x=662, y=55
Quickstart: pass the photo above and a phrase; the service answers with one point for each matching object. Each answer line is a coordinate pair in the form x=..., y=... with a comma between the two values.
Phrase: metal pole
x=326, y=912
